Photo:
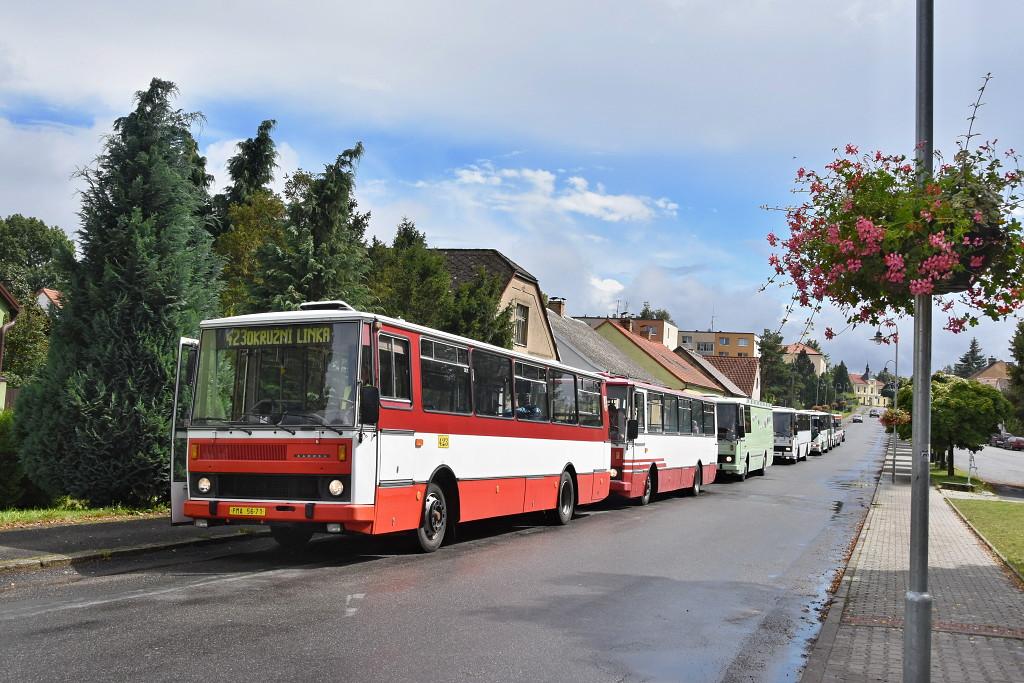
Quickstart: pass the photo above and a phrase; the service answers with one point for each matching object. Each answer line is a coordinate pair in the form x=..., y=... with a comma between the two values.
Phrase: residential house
x=580, y=346
x=868, y=391
x=532, y=333
x=668, y=368
x=46, y=297
x=996, y=374
x=744, y=372
x=792, y=351
x=9, y=308
x=720, y=343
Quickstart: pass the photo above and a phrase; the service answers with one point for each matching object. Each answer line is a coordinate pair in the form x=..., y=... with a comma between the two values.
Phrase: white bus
x=792, y=434
x=821, y=431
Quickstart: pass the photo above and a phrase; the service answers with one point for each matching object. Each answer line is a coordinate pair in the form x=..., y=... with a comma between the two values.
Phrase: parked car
x=857, y=418
x=874, y=412
x=999, y=440
x=1015, y=443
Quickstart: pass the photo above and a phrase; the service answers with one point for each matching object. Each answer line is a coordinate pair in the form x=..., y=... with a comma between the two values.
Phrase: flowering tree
x=873, y=233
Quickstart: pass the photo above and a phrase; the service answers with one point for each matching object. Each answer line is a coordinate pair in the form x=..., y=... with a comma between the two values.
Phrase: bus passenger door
x=181, y=411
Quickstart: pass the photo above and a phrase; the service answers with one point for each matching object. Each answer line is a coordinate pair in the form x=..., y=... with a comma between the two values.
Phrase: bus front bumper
x=356, y=518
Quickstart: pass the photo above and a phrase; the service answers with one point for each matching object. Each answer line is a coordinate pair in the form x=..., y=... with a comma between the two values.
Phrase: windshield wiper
x=310, y=416
x=234, y=425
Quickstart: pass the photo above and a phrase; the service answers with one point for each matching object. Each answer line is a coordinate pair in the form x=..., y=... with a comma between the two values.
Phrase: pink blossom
x=853, y=265
x=800, y=172
x=926, y=215
x=848, y=205
x=922, y=286
x=851, y=149
x=977, y=217
x=829, y=334
x=772, y=239
x=976, y=262
x=937, y=204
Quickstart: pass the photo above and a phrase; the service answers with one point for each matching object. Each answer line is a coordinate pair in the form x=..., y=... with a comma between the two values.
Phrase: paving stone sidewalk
x=978, y=608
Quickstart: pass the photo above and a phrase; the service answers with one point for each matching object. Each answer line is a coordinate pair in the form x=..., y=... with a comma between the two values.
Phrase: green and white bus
x=746, y=438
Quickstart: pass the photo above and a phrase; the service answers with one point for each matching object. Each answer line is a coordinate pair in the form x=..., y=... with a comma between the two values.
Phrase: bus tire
x=698, y=480
x=764, y=465
x=742, y=476
x=565, y=503
x=650, y=487
x=291, y=537
x=432, y=528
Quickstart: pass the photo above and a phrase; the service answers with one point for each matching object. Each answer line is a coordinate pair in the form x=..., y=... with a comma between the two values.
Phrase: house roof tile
x=743, y=372
x=580, y=338
x=799, y=346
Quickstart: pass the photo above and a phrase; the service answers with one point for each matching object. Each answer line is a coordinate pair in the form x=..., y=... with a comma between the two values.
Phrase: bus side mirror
x=632, y=430
x=369, y=405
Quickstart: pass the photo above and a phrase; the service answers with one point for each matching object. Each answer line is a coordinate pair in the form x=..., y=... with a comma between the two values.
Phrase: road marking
x=349, y=610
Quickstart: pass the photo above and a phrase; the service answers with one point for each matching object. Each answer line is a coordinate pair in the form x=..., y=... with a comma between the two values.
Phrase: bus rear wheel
x=431, y=531
x=566, y=503
x=698, y=480
x=291, y=537
x=746, y=469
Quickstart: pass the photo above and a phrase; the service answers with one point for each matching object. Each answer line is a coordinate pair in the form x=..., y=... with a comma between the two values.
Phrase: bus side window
x=638, y=411
x=685, y=416
x=563, y=397
x=746, y=420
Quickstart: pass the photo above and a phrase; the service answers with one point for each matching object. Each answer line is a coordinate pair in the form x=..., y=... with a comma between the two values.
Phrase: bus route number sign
x=442, y=441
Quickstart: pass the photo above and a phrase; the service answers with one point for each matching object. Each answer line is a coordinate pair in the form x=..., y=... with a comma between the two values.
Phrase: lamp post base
x=917, y=627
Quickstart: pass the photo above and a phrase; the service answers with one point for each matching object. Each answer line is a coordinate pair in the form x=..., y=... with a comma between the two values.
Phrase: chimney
x=992, y=360
x=556, y=304
x=627, y=321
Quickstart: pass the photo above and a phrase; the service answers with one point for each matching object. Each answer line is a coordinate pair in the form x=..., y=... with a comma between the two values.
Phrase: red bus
x=329, y=419
x=662, y=439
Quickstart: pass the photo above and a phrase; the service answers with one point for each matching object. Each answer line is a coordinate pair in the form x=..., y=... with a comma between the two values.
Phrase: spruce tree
x=477, y=313
x=842, y=378
x=1015, y=392
x=972, y=360
x=776, y=373
x=323, y=253
x=96, y=422
x=806, y=379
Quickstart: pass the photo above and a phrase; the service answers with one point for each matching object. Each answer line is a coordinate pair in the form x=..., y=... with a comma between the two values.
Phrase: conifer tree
x=410, y=280
x=776, y=373
x=1015, y=392
x=972, y=360
x=477, y=313
x=95, y=424
x=323, y=253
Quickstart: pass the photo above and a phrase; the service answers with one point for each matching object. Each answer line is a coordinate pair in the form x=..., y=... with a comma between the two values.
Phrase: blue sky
x=619, y=151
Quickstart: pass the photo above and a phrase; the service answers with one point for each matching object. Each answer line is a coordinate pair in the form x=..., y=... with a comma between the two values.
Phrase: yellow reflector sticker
x=442, y=441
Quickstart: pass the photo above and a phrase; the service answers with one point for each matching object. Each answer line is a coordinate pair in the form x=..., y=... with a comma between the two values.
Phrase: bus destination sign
x=294, y=335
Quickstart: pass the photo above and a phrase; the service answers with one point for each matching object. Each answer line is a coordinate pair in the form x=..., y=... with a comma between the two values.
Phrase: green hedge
x=15, y=488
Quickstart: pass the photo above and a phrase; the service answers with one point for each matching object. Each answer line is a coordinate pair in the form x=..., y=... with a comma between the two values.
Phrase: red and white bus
x=662, y=439
x=331, y=419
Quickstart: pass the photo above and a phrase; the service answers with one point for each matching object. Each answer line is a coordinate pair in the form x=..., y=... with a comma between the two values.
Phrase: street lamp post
x=917, y=621
x=878, y=339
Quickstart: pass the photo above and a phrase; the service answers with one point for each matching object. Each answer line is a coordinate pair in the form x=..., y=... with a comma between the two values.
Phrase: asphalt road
x=722, y=587
x=996, y=465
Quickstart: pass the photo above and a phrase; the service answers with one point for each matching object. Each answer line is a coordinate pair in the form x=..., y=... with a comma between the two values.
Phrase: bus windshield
x=278, y=375
x=783, y=423
x=727, y=421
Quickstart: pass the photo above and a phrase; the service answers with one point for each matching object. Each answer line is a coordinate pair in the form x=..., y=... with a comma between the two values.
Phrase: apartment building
x=720, y=343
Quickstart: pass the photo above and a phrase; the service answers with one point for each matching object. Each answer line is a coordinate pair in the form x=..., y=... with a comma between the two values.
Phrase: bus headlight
x=728, y=458
x=335, y=488
x=204, y=485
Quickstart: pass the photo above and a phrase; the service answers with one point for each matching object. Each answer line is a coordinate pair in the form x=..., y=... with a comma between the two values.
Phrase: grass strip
x=1000, y=522
x=15, y=519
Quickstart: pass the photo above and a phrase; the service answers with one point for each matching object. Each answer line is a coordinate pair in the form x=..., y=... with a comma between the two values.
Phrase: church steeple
x=867, y=371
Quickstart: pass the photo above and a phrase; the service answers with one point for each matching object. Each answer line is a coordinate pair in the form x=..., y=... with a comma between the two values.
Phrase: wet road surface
x=721, y=587
x=996, y=465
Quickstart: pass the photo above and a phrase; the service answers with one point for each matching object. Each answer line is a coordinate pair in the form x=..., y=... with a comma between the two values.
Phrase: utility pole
x=917, y=621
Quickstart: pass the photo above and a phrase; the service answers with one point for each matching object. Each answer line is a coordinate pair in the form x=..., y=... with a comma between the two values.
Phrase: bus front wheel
x=431, y=531
x=649, y=488
x=698, y=479
x=566, y=503
x=746, y=469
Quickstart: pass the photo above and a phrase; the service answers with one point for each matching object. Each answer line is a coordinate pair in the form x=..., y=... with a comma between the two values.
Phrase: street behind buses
x=792, y=433
x=330, y=419
x=745, y=436
x=662, y=440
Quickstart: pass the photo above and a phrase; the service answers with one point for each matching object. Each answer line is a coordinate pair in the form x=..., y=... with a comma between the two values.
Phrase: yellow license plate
x=246, y=511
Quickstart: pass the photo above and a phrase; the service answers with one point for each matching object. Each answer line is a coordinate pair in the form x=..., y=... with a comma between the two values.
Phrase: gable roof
x=579, y=338
x=743, y=372
x=700, y=360
x=52, y=294
x=675, y=364
x=856, y=379
x=800, y=346
x=998, y=370
x=463, y=264
x=9, y=298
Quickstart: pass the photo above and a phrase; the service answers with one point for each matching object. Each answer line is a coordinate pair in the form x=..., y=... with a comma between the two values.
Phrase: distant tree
x=410, y=280
x=251, y=170
x=477, y=312
x=776, y=373
x=648, y=313
x=841, y=377
x=964, y=414
x=26, y=345
x=974, y=359
x=1015, y=393
x=33, y=255
x=95, y=421
x=806, y=379
x=323, y=253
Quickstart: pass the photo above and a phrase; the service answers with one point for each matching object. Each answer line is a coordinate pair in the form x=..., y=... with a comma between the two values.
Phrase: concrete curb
x=1002, y=558
x=51, y=560
x=817, y=659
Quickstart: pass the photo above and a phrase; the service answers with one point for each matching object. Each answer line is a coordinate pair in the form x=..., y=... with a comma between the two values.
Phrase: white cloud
x=217, y=154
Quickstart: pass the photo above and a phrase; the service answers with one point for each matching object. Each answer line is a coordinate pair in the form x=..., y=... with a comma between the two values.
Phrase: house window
x=705, y=347
x=687, y=339
x=742, y=354
x=522, y=319
x=723, y=341
x=723, y=353
x=742, y=341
